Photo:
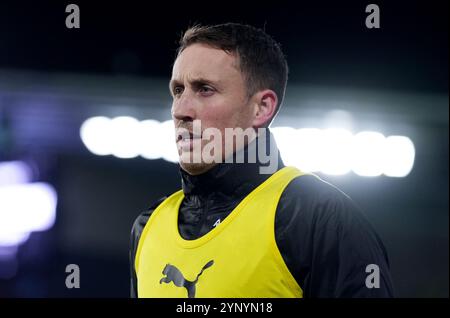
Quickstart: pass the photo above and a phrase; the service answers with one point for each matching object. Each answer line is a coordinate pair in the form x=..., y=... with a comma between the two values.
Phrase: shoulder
x=313, y=205
x=325, y=214
x=316, y=198
x=312, y=187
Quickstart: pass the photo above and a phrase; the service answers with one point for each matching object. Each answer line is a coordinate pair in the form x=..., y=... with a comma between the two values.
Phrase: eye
x=206, y=90
x=177, y=90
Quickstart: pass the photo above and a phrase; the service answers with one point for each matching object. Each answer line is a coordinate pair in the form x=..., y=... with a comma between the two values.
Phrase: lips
x=190, y=136
x=185, y=140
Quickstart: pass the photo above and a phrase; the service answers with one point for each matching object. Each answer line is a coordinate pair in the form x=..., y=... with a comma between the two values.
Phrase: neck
x=247, y=167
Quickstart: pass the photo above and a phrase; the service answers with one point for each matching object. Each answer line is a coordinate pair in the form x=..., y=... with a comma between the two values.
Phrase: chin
x=196, y=168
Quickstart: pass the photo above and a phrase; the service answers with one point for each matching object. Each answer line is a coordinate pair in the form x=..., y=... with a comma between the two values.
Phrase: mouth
x=185, y=141
x=187, y=137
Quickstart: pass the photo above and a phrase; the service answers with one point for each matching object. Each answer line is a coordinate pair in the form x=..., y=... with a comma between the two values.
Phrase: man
x=242, y=228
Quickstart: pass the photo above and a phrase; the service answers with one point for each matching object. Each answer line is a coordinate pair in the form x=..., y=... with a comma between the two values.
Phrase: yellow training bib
x=238, y=258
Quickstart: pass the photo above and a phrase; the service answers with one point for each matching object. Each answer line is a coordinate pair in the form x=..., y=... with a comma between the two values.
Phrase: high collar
x=228, y=178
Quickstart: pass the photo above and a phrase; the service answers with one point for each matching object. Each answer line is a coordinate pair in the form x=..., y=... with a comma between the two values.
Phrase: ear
x=266, y=103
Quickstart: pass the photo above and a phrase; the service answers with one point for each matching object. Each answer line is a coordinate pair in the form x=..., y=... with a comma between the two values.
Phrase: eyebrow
x=196, y=82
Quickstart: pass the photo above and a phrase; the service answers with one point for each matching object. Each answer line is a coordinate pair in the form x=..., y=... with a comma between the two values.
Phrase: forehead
x=202, y=61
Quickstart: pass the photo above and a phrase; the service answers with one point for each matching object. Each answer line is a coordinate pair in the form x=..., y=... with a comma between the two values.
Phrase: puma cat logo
x=174, y=275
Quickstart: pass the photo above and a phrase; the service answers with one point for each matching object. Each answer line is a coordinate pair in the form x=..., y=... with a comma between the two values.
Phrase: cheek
x=211, y=118
x=225, y=114
x=218, y=115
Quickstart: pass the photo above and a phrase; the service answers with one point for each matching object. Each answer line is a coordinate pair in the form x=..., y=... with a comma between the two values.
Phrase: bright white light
x=310, y=142
x=336, y=151
x=399, y=156
x=286, y=139
x=168, y=146
x=95, y=133
x=124, y=136
x=25, y=208
x=331, y=151
x=151, y=143
x=368, y=152
x=11, y=238
x=14, y=172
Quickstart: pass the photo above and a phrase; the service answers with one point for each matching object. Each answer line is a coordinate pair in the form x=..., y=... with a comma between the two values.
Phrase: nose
x=183, y=108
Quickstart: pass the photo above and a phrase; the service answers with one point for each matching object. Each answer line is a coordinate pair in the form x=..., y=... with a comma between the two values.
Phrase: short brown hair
x=261, y=60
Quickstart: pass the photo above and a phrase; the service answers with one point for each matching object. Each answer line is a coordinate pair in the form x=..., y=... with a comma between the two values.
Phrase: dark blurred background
x=393, y=80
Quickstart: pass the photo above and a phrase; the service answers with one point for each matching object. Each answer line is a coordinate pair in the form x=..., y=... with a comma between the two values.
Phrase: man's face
x=207, y=85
